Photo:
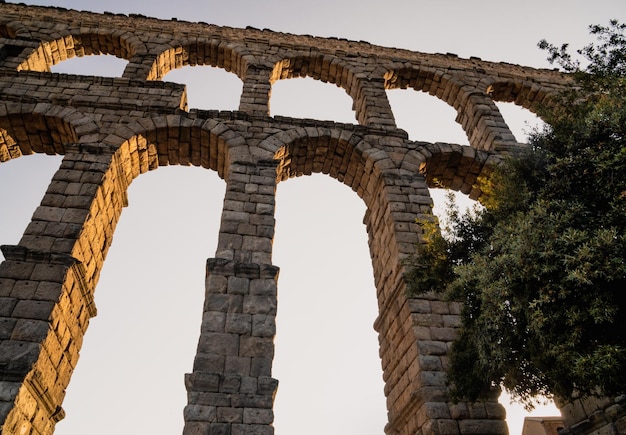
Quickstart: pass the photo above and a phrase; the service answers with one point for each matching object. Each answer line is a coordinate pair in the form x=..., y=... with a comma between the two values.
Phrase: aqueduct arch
x=111, y=130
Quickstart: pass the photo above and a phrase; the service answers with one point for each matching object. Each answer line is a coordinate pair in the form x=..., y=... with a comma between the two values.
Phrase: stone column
x=372, y=105
x=141, y=67
x=483, y=123
x=46, y=288
x=231, y=390
x=255, y=95
x=415, y=334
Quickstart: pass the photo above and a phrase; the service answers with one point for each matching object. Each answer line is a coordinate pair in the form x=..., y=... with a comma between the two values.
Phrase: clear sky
x=130, y=375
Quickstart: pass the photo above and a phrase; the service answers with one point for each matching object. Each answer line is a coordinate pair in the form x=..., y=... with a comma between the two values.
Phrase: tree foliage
x=541, y=269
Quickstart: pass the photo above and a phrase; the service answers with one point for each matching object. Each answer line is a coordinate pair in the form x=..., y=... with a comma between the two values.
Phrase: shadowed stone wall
x=112, y=130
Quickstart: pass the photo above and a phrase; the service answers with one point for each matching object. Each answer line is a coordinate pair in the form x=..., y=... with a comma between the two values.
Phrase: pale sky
x=130, y=375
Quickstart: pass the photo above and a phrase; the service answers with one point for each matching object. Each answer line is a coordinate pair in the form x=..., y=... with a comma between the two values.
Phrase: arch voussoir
x=42, y=128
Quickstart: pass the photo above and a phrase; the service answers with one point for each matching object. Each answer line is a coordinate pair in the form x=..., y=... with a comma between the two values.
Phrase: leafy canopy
x=541, y=269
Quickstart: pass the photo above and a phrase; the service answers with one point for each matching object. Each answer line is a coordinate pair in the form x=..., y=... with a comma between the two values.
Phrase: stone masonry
x=111, y=130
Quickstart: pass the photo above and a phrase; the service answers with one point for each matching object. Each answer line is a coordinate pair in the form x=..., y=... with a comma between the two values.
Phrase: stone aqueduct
x=111, y=130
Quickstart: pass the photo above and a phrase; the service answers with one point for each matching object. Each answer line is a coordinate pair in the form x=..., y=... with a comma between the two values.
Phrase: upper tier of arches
x=260, y=58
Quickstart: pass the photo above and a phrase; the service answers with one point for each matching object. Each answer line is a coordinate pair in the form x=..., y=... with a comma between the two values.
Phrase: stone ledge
x=21, y=253
x=226, y=267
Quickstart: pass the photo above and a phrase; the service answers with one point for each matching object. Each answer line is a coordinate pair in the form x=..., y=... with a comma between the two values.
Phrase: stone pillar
x=415, y=334
x=372, y=105
x=483, y=123
x=46, y=307
x=46, y=288
x=141, y=67
x=231, y=390
x=255, y=95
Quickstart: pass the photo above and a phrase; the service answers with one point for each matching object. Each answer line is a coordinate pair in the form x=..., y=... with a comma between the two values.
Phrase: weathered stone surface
x=219, y=343
x=30, y=330
x=471, y=427
x=200, y=413
x=229, y=415
x=111, y=130
x=239, y=365
x=263, y=325
x=30, y=309
x=257, y=416
x=238, y=323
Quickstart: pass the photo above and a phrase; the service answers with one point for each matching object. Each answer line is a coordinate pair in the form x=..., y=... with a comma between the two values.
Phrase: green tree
x=541, y=269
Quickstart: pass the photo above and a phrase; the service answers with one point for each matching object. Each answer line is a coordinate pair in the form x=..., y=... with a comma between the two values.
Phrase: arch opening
x=28, y=178
x=520, y=120
x=51, y=53
x=326, y=348
x=198, y=52
x=325, y=358
x=104, y=65
x=309, y=98
x=208, y=87
x=149, y=298
x=425, y=117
